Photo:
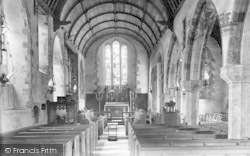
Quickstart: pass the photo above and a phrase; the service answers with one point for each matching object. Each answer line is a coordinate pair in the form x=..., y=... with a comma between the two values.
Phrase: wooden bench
x=68, y=143
x=141, y=150
x=158, y=140
x=59, y=148
x=84, y=142
x=92, y=135
x=102, y=122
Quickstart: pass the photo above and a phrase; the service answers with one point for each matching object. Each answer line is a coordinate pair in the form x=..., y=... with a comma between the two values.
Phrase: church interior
x=125, y=77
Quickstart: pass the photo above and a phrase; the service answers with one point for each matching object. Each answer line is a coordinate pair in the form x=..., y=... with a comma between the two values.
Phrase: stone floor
x=113, y=148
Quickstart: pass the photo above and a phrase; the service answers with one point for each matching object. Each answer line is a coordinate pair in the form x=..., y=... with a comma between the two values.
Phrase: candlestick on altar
x=99, y=97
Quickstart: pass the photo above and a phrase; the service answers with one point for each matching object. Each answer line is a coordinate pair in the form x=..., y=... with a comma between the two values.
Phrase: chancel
x=125, y=77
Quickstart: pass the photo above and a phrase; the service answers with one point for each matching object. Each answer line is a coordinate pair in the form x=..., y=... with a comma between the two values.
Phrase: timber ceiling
x=87, y=20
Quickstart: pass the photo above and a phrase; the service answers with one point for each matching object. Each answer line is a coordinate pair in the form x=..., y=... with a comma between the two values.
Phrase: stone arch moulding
x=102, y=39
x=169, y=59
x=131, y=48
x=58, y=65
x=26, y=14
x=60, y=35
x=239, y=25
x=200, y=30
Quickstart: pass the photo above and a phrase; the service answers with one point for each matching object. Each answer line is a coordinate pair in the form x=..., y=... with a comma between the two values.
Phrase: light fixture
x=3, y=35
x=4, y=79
x=51, y=86
x=206, y=79
x=177, y=83
x=74, y=88
x=99, y=97
x=174, y=100
x=183, y=91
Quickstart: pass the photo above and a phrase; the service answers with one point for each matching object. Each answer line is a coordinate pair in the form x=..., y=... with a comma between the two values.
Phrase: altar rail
x=213, y=118
x=159, y=140
x=72, y=139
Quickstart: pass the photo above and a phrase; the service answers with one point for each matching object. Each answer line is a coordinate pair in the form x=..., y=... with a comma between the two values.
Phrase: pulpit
x=171, y=118
x=55, y=108
x=116, y=108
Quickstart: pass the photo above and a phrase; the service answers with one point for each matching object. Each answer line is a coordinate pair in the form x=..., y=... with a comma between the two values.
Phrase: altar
x=116, y=108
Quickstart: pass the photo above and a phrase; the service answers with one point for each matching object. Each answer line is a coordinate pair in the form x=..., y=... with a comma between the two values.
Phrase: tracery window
x=116, y=64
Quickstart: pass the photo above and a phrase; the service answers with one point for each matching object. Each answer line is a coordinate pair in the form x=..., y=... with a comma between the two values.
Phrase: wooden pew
x=83, y=146
x=84, y=141
x=87, y=140
x=147, y=147
x=195, y=150
x=47, y=138
x=59, y=148
x=92, y=138
x=66, y=143
x=145, y=140
x=196, y=142
x=102, y=123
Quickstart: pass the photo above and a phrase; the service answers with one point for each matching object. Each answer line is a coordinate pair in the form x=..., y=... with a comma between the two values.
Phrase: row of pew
x=69, y=139
x=161, y=140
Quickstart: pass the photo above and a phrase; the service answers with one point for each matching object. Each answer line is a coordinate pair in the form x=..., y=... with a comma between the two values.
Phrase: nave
x=113, y=148
x=175, y=73
x=134, y=138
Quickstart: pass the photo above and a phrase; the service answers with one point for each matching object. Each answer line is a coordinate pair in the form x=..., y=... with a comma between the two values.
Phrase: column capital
x=235, y=73
x=192, y=85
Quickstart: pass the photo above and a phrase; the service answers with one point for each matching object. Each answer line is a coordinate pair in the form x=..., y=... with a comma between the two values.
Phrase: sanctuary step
x=117, y=120
x=120, y=133
x=113, y=148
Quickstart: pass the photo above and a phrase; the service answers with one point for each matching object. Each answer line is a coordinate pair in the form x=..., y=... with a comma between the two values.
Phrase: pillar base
x=192, y=100
x=238, y=79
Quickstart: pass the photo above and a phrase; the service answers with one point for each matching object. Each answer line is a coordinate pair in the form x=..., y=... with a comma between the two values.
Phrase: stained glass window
x=116, y=64
x=108, y=64
x=124, y=66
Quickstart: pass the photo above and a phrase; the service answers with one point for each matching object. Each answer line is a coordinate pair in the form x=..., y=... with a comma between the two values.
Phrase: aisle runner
x=113, y=148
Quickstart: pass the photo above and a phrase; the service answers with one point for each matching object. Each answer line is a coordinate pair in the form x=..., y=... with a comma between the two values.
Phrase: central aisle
x=113, y=148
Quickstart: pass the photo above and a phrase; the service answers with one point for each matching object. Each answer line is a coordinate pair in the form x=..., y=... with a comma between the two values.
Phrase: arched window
x=116, y=64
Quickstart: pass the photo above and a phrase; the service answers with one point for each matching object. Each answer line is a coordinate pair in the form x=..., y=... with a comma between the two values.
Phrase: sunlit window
x=124, y=66
x=108, y=64
x=116, y=64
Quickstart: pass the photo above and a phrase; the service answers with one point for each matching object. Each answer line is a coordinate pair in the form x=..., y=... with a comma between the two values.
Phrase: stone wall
x=27, y=87
x=182, y=29
x=137, y=65
x=81, y=81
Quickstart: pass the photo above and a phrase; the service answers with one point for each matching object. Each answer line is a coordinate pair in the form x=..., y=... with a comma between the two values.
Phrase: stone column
x=167, y=95
x=192, y=96
x=238, y=79
x=178, y=99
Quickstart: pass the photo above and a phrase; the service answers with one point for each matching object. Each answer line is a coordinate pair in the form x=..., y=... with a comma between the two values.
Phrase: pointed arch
x=116, y=64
